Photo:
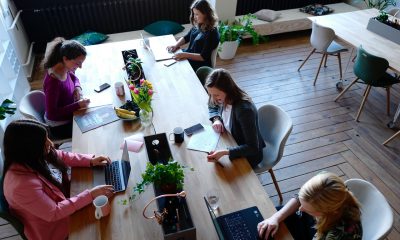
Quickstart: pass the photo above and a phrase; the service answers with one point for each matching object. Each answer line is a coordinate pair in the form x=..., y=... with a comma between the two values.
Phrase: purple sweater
x=59, y=99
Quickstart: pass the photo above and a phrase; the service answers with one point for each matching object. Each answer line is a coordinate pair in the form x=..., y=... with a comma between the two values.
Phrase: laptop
x=115, y=174
x=158, y=46
x=239, y=225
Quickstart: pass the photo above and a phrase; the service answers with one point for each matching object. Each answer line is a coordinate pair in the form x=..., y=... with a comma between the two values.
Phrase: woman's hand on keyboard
x=100, y=161
x=106, y=190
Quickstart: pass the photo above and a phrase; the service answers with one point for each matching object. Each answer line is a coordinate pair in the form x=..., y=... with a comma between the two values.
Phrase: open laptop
x=115, y=174
x=239, y=225
x=158, y=46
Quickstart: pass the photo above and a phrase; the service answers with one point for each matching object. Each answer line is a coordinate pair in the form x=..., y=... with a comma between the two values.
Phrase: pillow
x=267, y=15
x=160, y=28
x=90, y=38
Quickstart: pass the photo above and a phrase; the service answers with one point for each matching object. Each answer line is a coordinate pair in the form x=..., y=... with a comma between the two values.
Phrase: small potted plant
x=7, y=107
x=134, y=68
x=232, y=33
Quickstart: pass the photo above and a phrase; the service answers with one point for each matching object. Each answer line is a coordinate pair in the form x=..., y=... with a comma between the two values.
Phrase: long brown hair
x=70, y=49
x=222, y=80
x=24, y=144
x=205, y=8
x=328, y=195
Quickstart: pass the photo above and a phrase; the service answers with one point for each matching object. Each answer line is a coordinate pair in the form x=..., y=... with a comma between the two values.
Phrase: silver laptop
x=115, y=174
x=158, y=46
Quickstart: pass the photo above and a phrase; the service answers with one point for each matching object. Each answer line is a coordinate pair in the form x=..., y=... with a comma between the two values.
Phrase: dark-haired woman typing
x=61, y=87
x=36, y=196
x=203, y=38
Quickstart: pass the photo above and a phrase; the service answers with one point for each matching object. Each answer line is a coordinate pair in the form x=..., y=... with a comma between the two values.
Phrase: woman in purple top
x=61, y=86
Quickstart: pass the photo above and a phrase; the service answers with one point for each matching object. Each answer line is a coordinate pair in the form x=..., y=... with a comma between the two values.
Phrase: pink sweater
x=41, y=207
x=60, y=104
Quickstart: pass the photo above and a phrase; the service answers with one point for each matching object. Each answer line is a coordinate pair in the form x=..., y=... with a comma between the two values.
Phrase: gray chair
x=214, y=57
x=202, y=73
x=6, y=215
x=322, y=41
x=376, y=213
x=275, y=127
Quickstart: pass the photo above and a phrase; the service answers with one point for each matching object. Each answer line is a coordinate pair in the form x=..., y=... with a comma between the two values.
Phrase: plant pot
x=228, y=49
x=384, y=30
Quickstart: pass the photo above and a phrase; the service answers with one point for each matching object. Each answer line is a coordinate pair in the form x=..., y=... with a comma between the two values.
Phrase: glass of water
x=213, y=198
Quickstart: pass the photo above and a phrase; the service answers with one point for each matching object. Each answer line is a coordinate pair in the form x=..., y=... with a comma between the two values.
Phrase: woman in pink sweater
x=35, y=196
x=61, y=87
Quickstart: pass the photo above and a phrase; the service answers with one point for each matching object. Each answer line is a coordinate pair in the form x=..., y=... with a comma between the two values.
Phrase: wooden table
x=179, y=100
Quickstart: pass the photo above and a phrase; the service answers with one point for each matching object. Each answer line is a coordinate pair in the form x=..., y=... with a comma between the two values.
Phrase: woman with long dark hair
x=61, y=87
x=329, y=211
x=231, y=109
x=35, y=195
x=203, y=38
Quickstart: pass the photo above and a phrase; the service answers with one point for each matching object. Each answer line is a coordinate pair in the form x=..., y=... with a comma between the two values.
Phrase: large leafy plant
x=7, y=107
x=236, y=30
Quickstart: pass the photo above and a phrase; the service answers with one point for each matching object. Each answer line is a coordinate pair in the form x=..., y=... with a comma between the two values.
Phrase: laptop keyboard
x=113, y=177
x=238, y=227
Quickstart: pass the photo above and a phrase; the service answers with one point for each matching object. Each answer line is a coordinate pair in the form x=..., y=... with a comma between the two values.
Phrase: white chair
x=376, y=213
x=322, y=41
x=214, y=57
x=275, y=126
x=32, y=106
x=394, y=12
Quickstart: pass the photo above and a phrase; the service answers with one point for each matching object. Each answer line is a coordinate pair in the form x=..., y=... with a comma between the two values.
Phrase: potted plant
x=378, y=4
x=232, y=33
x=7, y=107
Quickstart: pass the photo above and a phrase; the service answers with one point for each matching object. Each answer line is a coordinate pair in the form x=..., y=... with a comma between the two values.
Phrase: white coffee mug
x=103, y=208
x=119, y=89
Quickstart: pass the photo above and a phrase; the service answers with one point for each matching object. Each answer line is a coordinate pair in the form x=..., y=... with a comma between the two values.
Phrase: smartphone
x=195, y=128
x=169, y=62
x=102, y=87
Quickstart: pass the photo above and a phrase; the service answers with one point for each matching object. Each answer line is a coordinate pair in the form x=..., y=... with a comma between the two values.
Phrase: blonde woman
x=326, y=198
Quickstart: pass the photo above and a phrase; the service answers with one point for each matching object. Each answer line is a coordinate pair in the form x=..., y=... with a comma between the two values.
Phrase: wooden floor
x=325, y=136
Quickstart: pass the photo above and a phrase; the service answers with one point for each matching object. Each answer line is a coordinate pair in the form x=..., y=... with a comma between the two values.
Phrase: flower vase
x=146, y=117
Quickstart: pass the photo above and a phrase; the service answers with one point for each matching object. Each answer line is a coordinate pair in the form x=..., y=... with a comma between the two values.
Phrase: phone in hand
x=102, y=87
x=195, y=128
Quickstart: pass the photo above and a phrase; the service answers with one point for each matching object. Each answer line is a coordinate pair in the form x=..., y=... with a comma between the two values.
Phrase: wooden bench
x=292, y=20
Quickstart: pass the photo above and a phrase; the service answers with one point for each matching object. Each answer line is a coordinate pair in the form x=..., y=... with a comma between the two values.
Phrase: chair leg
x=345, y=90
x=276, y=185
x=309, y=55
x=391, y=138
x=388, y=101
x=363, y=101
x=319, y=68
x=340, y=65
x=326, y=59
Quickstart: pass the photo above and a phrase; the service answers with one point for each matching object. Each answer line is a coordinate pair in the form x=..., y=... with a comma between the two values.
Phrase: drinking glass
x=213, y=198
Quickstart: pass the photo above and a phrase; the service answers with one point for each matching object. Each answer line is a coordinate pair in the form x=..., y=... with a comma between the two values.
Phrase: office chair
x=322, y=42
x=6, y=215
x=371, y=70
x=202, y=73
x=214, y=57
x=376, y=213
x=275, y=126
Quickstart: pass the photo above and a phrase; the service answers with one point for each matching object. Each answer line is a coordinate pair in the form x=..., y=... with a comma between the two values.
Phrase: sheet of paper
x=134, y=143
x=204, y=141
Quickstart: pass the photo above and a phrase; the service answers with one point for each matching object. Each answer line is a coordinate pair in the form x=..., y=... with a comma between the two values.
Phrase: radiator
x=70, y=18
x=251, y=6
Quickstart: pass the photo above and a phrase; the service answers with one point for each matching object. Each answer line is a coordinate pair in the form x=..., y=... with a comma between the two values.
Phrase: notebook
x=115, y=174
x=158, y=46
x=238, y=225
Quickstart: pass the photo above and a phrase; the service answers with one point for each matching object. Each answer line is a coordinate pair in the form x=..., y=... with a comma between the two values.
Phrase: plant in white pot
x=232, y=33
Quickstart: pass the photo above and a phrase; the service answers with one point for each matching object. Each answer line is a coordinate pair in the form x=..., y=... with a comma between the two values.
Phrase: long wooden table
x=179, y=100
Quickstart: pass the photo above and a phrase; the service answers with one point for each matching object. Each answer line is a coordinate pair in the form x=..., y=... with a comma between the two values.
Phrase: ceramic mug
x=119, y=89
x=102, y=205
x=178, y=135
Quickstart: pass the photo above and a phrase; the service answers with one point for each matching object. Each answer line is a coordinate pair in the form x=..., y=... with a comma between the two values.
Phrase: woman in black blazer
x=231, y=110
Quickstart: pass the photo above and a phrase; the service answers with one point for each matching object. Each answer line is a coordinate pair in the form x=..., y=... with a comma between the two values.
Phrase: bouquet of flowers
x=142, y=94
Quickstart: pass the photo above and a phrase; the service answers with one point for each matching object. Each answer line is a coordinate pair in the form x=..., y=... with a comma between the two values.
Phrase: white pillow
x=267, y=15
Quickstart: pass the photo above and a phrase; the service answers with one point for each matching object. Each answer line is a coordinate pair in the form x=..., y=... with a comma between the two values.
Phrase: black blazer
x=245, y=131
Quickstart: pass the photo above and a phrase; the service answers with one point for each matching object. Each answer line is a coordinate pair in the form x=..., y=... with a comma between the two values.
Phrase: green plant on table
x=7, y=107
x=382, y=17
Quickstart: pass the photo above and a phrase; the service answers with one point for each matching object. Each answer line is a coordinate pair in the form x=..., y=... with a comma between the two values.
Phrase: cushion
x=316, y=9
x=160, y=28
x=267, y=15
x=90, y=38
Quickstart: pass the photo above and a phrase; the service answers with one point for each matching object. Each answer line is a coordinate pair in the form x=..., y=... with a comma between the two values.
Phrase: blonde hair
x=328, y=195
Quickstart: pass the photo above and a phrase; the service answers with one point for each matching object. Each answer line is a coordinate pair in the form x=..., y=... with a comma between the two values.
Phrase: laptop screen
x=214, y=220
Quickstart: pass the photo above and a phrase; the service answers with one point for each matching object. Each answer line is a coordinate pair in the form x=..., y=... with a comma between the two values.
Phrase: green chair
x=5, y=213
x=202, y=73
x=371, y=70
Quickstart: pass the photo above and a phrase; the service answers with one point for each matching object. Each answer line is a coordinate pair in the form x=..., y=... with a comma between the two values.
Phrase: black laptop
x=115, y=174
x=239, y=225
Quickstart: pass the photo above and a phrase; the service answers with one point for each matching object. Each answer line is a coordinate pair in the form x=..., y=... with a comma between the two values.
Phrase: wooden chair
x=391, y=138
x=371, y=70
x=322, y=41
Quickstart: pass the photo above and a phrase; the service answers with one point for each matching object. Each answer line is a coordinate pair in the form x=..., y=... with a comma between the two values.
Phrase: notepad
x=204, y=141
